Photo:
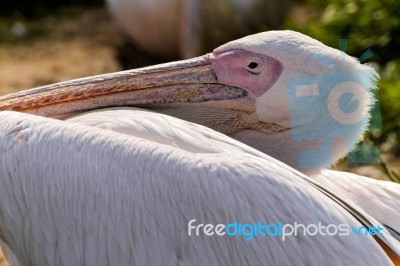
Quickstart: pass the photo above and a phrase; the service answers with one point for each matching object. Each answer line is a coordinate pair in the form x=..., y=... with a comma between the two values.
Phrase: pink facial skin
x=256, y=73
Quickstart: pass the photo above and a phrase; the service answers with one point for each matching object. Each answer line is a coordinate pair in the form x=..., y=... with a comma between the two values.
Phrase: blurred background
x=45, y=41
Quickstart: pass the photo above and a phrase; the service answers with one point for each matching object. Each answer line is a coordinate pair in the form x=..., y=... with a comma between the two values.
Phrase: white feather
x=381, y=199
x=78, y=195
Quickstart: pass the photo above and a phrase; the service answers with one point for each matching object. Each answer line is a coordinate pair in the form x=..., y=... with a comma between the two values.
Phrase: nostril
x=252, y=65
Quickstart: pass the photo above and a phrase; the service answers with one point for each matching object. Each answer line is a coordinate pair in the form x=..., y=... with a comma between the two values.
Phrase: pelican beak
x=183, y=83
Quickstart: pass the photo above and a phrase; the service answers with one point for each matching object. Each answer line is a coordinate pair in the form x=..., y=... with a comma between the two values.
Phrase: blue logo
x=341, y=93
x=279, y=229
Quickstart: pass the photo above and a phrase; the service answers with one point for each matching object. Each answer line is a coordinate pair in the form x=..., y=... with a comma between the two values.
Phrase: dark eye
x=254, y=67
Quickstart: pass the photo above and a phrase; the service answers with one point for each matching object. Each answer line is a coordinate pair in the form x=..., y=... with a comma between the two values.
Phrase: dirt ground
x=80, y=46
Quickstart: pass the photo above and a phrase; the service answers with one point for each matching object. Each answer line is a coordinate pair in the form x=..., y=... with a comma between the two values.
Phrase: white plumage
x=132, y=198
x=381, y=199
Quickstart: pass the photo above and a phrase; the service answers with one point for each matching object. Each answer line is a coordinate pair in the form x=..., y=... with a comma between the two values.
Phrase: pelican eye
x=254, y=67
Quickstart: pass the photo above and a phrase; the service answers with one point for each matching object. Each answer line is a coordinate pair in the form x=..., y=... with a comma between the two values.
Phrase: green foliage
x=371, y=24
x=389, y=94
x=389, y=173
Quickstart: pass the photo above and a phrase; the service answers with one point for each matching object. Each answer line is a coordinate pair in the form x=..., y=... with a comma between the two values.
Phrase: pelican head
x=280, y=92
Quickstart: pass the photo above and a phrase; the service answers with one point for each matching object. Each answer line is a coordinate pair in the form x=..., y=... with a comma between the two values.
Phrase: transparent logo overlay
x=283, y=231
x=341, y=113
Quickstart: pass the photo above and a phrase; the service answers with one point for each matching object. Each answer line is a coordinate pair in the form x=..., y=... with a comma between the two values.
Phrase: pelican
x=174, y=28
x=121, y=186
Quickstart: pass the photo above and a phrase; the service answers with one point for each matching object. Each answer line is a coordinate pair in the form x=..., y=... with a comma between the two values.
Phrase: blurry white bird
x=175, y=28
x=143, y=191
